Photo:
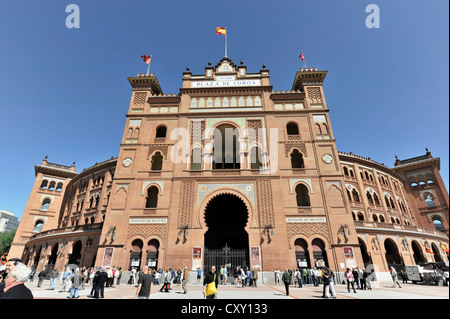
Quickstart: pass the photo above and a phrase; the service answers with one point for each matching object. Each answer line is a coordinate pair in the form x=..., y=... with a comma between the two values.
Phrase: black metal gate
x=226, y=257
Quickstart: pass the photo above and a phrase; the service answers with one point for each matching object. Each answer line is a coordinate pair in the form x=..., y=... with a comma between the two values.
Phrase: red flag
x=444, y=247
x=220, y=30
x=4, y=260
x=428, y=250
x=302, y=57
x=146, y=59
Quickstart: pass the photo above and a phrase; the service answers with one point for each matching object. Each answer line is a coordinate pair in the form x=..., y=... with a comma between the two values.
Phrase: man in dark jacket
x=41, y=277
x=99, y=282
x=209, y=278
x=286, y=278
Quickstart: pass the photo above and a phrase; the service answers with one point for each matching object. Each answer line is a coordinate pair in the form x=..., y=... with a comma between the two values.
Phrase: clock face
x=327, y=158
x=127, y=162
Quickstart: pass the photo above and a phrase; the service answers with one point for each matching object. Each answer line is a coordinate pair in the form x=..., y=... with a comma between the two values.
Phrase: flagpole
x=226, y=34
x=148, y=70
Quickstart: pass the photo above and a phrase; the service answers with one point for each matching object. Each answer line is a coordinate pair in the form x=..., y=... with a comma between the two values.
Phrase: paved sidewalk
x=408, y=291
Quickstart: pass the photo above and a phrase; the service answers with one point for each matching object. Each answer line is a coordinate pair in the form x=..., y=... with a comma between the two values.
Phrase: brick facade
x=154, y=199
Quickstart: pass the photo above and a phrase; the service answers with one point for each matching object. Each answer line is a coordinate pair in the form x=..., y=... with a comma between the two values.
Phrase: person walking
x=243, y=277
x=255, y=277
x=394, y=277
x=404, y=276
x=199, y=274
x=249, y=277
x=367, y=278
x=99, y=282
x=210, y=284
x=166, y=282
x=53, y=277
x=350, y=280
x=356, y=277
x=225, y=275
x=277, y=274
x=185, y=280
x=76, y=279
x=144, y=284
x=328, y=283
x=41, y=277
x=66, y=280
x=286, y=278
x=299, y=278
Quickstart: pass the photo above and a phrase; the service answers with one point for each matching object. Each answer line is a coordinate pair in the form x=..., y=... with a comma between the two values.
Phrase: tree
x=6, y=240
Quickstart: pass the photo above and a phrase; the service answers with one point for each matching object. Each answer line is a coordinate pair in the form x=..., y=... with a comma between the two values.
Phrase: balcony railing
x=397, y=227
x=69, y=229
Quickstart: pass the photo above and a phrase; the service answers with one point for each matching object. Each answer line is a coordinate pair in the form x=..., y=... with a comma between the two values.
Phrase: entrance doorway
x=392, y=255
x=226, y=240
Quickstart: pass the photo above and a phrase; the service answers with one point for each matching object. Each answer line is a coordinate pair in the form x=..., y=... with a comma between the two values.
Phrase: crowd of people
x=15, y=274
x=322, y=276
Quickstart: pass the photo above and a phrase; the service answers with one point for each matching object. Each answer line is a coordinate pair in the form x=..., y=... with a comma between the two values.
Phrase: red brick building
x=227, y=168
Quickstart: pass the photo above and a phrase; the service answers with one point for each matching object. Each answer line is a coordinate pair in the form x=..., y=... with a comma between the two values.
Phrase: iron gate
x=230, y=258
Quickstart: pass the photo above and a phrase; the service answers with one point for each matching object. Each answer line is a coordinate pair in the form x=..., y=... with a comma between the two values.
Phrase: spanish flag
x=4, y=260
x=220, y=30
x=428, y=250
x=445, y=248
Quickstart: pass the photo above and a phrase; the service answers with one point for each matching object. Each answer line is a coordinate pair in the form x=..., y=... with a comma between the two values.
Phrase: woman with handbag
x=210, y=284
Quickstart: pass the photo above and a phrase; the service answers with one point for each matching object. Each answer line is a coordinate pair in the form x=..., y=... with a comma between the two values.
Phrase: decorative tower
x=426, y=190
x=42, y=210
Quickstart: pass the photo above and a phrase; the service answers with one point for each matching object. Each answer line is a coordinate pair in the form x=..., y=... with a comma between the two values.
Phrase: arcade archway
x=226, y=240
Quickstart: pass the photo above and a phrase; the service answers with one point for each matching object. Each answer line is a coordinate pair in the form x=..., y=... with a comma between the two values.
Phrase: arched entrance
x=302, y=254
x=152, y=254
x=136, y=253
x=226, y=240
x=393, y=257
x=417, y=253
x=365, y=255
x=319, y=253
x=437, y=254
x=75, y=257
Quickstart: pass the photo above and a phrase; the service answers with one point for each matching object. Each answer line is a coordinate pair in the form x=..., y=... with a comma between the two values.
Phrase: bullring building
x=229, y=172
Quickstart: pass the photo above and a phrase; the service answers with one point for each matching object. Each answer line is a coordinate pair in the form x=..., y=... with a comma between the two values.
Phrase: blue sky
x=64, y=92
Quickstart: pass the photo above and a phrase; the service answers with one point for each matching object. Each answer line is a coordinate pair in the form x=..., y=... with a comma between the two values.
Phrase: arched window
x=44, y=184
x=302, y=195
x=438, y=223
x=345, y=171
x=59, y=187
x=375, y=217
x=360, y=216
x=297, y=159
x=292, y=129
x=382, y=218
x=161, y=132
x=392, y=202
x=152, y=197
x=375, y=199
x=52, y=185
x=196, y=159
x=38, y=226
x=349, y=195
x=355, y=195
x=45, y=204
x=429, y=200
x=369, y=197
x=226, y=147
x=157, y=162
x=255, y=158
